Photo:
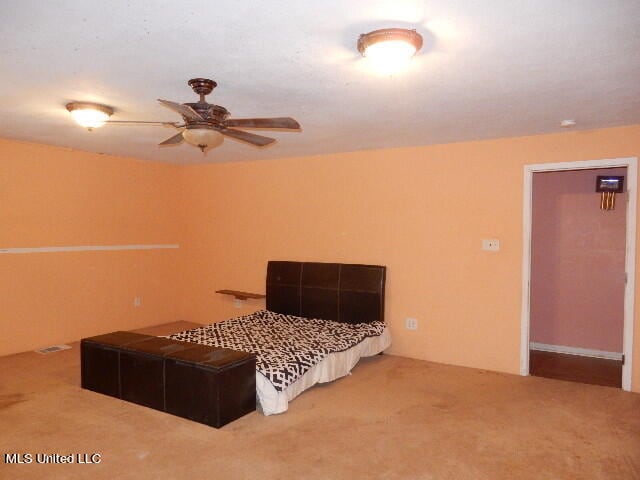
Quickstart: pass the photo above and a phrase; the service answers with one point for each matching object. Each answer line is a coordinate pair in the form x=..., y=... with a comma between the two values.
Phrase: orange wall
x=52, y=196
x=421, y=211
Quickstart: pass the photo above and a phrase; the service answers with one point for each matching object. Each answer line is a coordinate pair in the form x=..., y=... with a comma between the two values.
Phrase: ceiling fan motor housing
x=202, y=86
x=211, y=113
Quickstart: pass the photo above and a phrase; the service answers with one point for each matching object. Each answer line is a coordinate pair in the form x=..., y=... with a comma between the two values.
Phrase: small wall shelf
x=238, y=295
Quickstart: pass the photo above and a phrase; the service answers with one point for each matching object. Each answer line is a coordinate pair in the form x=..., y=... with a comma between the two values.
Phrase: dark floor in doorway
x=575, y=368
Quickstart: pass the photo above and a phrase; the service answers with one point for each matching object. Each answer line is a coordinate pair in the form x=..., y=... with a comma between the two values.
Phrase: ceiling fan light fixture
x=89, y=115
x=202, y=137
x=390, y=48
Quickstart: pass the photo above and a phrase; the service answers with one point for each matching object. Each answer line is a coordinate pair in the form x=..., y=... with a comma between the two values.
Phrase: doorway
x=577, y=317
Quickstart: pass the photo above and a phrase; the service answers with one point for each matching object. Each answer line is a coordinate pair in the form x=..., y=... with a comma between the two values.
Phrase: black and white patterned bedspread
x=285, y=346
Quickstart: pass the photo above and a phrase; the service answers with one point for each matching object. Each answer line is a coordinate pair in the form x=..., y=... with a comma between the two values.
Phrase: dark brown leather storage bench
x=142, y=370
x=100, y=361
x=209, y=385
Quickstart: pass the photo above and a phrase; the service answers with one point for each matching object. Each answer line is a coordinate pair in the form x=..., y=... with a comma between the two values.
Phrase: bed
x=320, y=319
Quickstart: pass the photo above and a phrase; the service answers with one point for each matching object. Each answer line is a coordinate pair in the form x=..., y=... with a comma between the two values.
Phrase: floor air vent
x=55, y=348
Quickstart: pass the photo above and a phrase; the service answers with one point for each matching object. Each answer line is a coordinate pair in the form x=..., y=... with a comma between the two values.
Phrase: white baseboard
x=584, y=352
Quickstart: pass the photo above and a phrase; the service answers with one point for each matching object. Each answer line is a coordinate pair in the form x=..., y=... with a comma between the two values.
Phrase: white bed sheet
x=333, y=366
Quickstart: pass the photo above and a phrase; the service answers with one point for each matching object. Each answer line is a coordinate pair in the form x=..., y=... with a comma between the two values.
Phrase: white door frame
x=630, y=257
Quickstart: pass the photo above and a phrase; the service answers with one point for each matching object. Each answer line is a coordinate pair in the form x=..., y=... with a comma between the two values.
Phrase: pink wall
x=577, y=272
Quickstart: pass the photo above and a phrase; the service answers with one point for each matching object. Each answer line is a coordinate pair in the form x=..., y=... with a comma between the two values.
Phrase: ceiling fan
x=205, y=124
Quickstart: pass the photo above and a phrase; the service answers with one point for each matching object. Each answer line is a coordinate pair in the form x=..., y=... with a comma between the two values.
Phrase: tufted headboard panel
x=343, y=292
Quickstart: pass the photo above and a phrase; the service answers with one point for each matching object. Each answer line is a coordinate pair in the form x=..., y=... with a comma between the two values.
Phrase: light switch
x=491, y=244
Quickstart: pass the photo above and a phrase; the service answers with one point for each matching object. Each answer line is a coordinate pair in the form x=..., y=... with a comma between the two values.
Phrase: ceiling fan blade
x=144, y=122
x=173, y=140
x=251, y=138
x=279, y=122
x=184, y=110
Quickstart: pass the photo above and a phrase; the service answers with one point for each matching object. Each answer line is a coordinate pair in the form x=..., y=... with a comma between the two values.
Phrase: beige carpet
x=394, y=418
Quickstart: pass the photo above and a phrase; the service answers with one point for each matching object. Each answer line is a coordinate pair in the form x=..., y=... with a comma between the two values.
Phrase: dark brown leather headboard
x=333, y=291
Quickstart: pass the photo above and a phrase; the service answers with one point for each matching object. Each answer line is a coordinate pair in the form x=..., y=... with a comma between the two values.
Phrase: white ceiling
x=488, y=69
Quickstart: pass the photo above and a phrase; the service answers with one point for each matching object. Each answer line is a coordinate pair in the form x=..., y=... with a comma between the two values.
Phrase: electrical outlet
x=491, y=244
x=411, y=323
x=137, y=301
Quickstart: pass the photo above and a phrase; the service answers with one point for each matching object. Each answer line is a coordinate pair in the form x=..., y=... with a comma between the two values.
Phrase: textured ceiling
x=488, y=69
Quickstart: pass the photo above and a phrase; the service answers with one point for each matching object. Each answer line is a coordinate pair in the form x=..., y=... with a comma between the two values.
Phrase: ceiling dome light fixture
x=390, y=49
x=202, y=137
x=89, y=115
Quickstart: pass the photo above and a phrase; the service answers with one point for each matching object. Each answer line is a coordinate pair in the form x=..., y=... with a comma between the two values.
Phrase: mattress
x=332, y=367
x=293, y=353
